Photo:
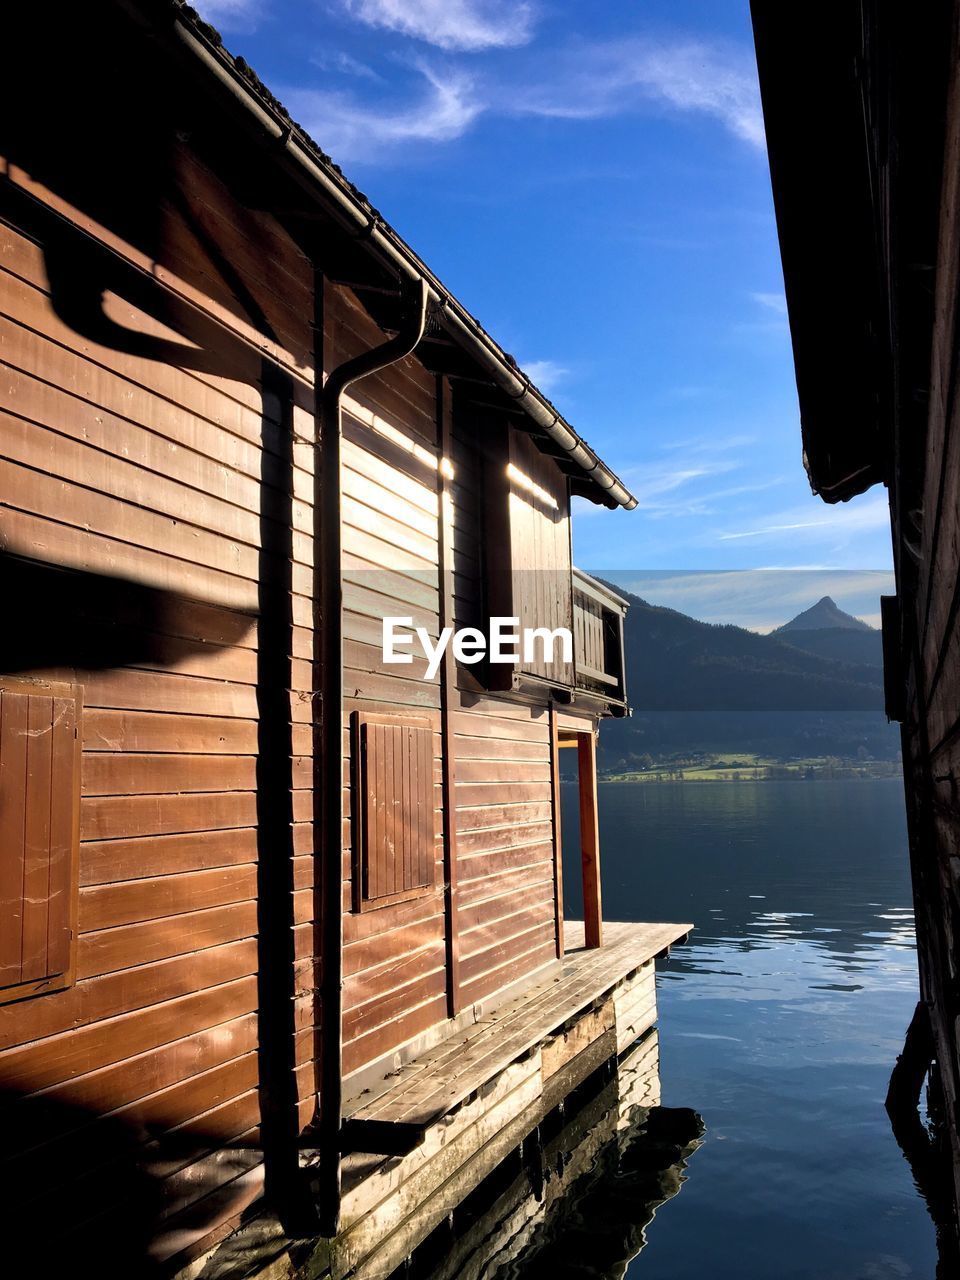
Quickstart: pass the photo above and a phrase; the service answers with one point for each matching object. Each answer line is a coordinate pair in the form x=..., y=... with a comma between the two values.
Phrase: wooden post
x=557, y=831
x=590, y=839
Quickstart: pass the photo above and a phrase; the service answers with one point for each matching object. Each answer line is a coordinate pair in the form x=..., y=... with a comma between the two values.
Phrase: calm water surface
x=779, y=1021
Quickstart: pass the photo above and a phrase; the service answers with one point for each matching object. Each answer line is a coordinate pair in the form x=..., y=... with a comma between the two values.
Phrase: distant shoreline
x=886, y=769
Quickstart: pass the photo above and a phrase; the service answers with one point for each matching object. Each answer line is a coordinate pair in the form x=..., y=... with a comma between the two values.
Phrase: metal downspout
x=327, y=551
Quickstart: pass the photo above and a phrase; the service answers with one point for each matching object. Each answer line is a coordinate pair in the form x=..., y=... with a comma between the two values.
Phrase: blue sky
x=591, y=182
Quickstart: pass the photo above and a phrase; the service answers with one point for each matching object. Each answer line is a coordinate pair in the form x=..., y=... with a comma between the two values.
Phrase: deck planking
x=428, y=1087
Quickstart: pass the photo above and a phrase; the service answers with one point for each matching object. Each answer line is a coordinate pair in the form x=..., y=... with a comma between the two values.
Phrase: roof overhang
x=852, y=101
x=280, y=142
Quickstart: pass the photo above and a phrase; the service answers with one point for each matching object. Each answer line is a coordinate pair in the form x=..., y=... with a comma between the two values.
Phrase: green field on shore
x=743, y=766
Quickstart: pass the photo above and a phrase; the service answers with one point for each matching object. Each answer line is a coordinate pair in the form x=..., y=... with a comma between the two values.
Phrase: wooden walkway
x=394, y=1115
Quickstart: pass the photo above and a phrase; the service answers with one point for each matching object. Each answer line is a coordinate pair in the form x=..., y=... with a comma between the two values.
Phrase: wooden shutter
x=395, y=809
x=39, y=836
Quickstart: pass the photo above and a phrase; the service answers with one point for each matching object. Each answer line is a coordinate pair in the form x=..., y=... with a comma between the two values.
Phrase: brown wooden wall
x=505, y=832
x=149, y=485
x=395, y=962
x=931, y=637
x=156, y=458
x=505, y=844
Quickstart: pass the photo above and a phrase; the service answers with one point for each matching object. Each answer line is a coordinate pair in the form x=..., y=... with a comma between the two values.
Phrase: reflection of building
x=249, y=871
x=862, y=108
x=580, y=1192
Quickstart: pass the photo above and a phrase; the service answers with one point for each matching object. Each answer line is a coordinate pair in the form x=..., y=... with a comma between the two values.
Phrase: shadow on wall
x=105, y=1170
x=94, y=621
x=92, y=1190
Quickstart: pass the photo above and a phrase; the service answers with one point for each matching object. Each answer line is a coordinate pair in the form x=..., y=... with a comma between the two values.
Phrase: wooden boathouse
x=862, y=110
x=282, y=937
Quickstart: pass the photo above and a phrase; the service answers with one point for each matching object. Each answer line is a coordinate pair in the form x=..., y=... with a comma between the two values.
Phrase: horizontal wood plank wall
x=506, y=912
x=931, y=637
x=151, y=476
x=394, y=955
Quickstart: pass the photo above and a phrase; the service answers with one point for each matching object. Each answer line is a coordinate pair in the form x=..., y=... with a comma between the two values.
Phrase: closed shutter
x=39, y=836
x=395, y=794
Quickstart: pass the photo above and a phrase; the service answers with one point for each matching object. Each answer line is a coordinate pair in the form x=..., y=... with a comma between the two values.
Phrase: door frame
x=584, y=741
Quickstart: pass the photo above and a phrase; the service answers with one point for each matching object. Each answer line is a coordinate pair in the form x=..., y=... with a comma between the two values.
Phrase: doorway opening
x=580, y=830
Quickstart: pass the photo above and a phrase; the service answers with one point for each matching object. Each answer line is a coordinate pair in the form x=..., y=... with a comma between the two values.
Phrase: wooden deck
x=394, y=1115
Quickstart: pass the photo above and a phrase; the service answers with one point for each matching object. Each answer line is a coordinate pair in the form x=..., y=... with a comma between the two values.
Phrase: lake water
x=779, y=1021
x=770, y=1156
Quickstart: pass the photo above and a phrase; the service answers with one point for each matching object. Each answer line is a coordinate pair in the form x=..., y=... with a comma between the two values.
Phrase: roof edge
x=352, y=210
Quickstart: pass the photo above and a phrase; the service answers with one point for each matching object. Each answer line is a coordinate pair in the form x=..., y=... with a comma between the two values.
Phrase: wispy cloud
x=232, y=15
x=349, y=128
x=545, y=374
x=868, y=514
x=450, y=24
x=589, y=81
x=592, y=81
x=772, y=301
x=710, y=444
x=346, y=64
x=669, y=490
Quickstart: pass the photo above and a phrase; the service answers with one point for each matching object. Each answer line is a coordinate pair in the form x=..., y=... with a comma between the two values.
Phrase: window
x=39, y=836
x=395, y=828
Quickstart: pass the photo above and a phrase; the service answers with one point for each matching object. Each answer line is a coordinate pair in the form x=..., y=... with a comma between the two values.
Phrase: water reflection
x=780, y=1021
x=576, y=1199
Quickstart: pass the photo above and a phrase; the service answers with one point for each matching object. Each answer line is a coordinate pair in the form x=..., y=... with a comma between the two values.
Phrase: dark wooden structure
x=248, y=868
x=862, y=110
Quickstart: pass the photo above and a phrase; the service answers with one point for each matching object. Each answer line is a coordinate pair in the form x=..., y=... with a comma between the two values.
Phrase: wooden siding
x=505, y=919
x=505, y=850
x=149, y=457
x=398, y=985
x=394, y=954
x=929, y=639
x=157, y=458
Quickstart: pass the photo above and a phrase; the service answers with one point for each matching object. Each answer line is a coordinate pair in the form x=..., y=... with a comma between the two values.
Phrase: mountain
x=856, y=647
x=675, y=663
x=696, y=686
x=824, y=629
x=825, y=615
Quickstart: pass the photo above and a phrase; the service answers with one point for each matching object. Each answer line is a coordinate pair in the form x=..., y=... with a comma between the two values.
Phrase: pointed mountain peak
x=822, y=616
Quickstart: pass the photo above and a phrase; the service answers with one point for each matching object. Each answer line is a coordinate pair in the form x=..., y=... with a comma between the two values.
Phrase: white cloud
x=665, y=490
x=867, y=514
x=450, y=24
x=351, y=130
x=346, y=64
x=608, y=79
x=772, y=301
x=710, y=444
x=547, y=375
x=591, y=81
x=231, y=15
